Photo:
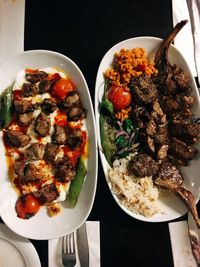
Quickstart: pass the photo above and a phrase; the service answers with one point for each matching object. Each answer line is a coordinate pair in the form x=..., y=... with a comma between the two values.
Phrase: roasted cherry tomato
x=62, y=88
x=119, y=97
x=27, y=206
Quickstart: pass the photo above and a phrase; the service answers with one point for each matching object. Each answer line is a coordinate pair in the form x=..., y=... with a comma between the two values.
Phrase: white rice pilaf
x=136, y=194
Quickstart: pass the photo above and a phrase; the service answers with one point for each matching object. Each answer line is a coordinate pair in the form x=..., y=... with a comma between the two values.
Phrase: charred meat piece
x=35, y=151
x=143, y=90
x=162, y=152
x=29, y=89
x=167, y=77
x=17, y=138
x=19, y=166
x=51, y=150
x=169, y=177
x=140, y=115
x=169, y=104
x=181, y=149
x=181, y=79
x=48, y=106
x=76, y=113
x=42, y=125
x=151, y=128
x=23, y=105
x=25, y=119
x=47, y=194
x=71, y=100
x=31, y=174
x=185, y=130
x=59, y=136
x=35, y=76
x=147, y=144
x=44, y=86
x=162, y=135
x=65, y=171
x=184, y=100
x=143, y=165
x=74, y=137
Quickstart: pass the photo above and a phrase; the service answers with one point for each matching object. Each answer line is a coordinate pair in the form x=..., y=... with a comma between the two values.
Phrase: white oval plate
x=41, y=226
x=16, y=250
x=171, y=206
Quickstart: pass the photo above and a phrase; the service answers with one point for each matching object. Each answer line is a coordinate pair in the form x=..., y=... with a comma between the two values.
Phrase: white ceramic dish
x=41, y=226
x=16, y=250
x=171, y=206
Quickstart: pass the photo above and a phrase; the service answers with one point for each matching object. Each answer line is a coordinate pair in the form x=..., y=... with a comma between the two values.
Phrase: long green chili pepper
x=108, y=148
x=6, y=107
x=76, y=184
x=106, y=105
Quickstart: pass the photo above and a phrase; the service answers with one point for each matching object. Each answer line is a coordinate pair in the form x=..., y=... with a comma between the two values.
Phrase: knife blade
x=83, y=247
x=194, y=235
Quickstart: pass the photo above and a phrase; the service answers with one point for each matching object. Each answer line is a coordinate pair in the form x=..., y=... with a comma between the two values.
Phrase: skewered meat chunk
x=35, y=151
x=29, y=89
x=143, y=165
x=47, y=194
x=74, y=137
x=59, y=136
x=25, y=119
x=181, y=149
x=48, y=106
x=169, y=177
x=42, y=125
x=65, y=171
x=22, y=105
x=185, y=130
x=76, y=113
x=71, y=100
x=17, y=138
x=44, y=86
x=51, y=150
x=31, y=173
x=144, y=90
x=36, y=76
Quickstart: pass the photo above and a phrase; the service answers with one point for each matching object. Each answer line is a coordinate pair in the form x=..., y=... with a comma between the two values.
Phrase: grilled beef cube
x=177, y=161
x=48, y=106
x=65, y=171
x=144, y=90
x=31, y=174
x=143, y=165
x=17, y=138
x=181, y=149
x=35, y=76
x=59, y=136
x=76, y=113
x=169, y=104
x=71, y=100
x=51, y=150
x=162, y=152
x=47, y=194
x=29, y=89
x=22, y=105
x=185, y=130
x=19, y=167
x=35, y=151
x=185, y=101
x=140, y=116
x=42, y=125
x=162, y=135
x=25, y=119
x=74, y=137
x=44, y=86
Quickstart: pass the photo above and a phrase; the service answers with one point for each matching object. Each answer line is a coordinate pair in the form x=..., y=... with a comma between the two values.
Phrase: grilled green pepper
x=6, y=107
x=106, y=105
x=76, y=184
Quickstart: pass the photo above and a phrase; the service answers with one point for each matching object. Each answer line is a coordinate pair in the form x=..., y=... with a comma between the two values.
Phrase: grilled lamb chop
x=35, y=151
x=143, y=165
x=42, y=125
x=17, y=138
x=169, y=177
x=170, y=79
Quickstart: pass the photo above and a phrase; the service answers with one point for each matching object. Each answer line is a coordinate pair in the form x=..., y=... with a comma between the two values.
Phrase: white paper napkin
x=180, y=243
x=93, y=233
x=184, y=39
x=11, y=28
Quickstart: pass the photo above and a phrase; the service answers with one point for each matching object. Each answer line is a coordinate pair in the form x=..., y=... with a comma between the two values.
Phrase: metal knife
x=83, y=247
x=194, y=235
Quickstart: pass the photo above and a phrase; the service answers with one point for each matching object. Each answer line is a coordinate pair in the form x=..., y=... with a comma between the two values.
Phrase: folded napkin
x=93, y=233
x=184, y=39
x=180, y=243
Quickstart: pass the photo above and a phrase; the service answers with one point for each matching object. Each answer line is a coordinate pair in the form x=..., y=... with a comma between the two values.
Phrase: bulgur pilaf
x=129, y=63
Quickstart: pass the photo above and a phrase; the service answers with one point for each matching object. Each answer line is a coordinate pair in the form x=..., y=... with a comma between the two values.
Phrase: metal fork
x=68, y=250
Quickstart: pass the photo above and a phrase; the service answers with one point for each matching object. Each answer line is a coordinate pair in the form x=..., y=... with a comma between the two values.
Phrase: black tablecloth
x=84, y=31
